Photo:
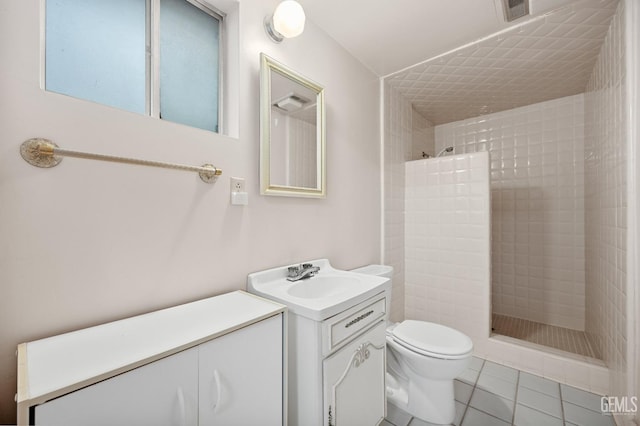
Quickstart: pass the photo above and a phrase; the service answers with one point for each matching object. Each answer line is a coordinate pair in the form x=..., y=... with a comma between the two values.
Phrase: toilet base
x=396, y=393
x=431, y=401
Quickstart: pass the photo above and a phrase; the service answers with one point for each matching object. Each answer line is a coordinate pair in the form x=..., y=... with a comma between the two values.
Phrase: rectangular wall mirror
x=292, y=127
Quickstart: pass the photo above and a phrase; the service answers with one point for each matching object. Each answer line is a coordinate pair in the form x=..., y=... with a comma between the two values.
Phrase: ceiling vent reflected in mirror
x=291, y=102
x=514, y=9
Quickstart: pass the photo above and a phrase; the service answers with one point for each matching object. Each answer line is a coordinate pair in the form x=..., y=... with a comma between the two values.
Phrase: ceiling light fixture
x=287, y=21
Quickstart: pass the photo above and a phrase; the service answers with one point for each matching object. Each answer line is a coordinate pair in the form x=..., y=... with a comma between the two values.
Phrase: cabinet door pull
x=181, y=407
x=358, y=319
x=218, y=391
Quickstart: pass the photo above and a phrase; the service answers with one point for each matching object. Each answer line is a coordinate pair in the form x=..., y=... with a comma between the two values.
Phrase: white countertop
x=60, y=364
x=352, y=288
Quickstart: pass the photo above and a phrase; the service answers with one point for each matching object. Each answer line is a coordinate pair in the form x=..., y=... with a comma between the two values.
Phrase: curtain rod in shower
x=44, y=153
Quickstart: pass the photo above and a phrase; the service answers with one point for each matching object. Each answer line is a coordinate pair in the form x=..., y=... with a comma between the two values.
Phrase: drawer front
x=343, y=327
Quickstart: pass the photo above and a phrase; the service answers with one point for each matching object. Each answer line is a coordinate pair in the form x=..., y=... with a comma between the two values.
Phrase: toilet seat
x=430, y=339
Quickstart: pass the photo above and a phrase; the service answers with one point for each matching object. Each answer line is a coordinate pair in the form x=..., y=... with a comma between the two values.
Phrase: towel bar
x=44, y=153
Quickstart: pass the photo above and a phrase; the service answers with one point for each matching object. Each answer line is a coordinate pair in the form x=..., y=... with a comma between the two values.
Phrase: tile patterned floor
x=561, y=338
x=489, y=394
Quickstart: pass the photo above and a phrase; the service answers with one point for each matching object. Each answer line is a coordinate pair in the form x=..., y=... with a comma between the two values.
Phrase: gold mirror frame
x=267, y=67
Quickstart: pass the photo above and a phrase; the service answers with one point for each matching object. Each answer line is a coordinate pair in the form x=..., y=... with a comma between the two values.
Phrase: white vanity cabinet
x=336, y=341
x=215, y=361
x=337, y=367
x=354, y=381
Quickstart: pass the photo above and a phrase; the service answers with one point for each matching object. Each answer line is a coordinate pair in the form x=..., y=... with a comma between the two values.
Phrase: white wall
x=537, y=197
x=88, y=242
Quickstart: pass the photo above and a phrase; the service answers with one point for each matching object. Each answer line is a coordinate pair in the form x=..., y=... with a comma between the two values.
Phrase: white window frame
x=153, y=57
x=229, y=44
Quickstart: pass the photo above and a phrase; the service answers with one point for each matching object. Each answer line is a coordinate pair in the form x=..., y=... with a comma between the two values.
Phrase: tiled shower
x=537, y=212
x=558, y=196
x=537, y=206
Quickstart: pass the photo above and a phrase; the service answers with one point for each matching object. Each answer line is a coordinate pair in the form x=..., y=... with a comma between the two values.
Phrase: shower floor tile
x=565, y=339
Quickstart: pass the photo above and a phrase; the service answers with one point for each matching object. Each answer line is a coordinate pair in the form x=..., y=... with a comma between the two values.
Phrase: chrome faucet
x=306, y=270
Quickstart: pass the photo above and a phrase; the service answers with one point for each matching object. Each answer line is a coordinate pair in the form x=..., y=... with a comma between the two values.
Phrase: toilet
x=423, y=359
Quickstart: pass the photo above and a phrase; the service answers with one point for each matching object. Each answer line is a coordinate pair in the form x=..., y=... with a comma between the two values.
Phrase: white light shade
x=288, y=18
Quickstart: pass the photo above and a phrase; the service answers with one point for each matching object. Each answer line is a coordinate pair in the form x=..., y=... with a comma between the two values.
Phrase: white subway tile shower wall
x=447, y=242
x=606, y=201
x=397, y=150
x=537, y=191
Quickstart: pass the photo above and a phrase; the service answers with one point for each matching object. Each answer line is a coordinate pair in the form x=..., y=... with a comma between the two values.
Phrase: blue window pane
x=95, y=50
x=188, y=65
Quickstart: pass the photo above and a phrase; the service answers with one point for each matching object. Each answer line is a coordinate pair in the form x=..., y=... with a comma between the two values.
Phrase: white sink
x=323, y=286
x=327, y=293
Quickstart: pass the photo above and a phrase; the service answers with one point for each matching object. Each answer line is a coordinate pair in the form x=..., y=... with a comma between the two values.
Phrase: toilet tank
x=378, y=270
x=385, y=271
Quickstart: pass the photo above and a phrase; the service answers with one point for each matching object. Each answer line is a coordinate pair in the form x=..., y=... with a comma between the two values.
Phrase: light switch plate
x=239, y=198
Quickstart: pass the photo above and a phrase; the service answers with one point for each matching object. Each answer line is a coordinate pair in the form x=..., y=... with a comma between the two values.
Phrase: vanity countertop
x=64, y=363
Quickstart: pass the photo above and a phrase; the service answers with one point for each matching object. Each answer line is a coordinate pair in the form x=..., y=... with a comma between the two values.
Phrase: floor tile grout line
x=501, y=378
x=532, y=389
x=584, y=408
x=491, y=415
x=499, y=396
x=473, y=389
x=561, y=402
x=515, y=400
x=544, y=412
x=561, y=418
x=466, y=407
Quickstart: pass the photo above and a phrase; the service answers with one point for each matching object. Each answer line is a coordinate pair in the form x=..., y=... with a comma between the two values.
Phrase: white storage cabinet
x=215, y=361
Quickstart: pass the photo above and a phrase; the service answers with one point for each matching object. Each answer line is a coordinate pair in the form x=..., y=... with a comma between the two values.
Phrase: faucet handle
x=307, y=265
x=292, y=271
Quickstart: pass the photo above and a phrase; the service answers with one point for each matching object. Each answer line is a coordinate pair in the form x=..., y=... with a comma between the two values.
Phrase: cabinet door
x=163, y=392
x=354, y=393
x=241, y=376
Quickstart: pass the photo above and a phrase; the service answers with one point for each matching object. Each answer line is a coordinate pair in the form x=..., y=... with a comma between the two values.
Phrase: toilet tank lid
x=434, y=338
x=378, y=270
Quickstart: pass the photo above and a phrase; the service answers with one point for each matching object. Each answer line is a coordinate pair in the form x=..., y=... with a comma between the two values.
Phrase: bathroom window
x=156, y=57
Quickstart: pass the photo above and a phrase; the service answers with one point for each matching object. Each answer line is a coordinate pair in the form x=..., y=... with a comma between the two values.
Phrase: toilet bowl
x=423, y=359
